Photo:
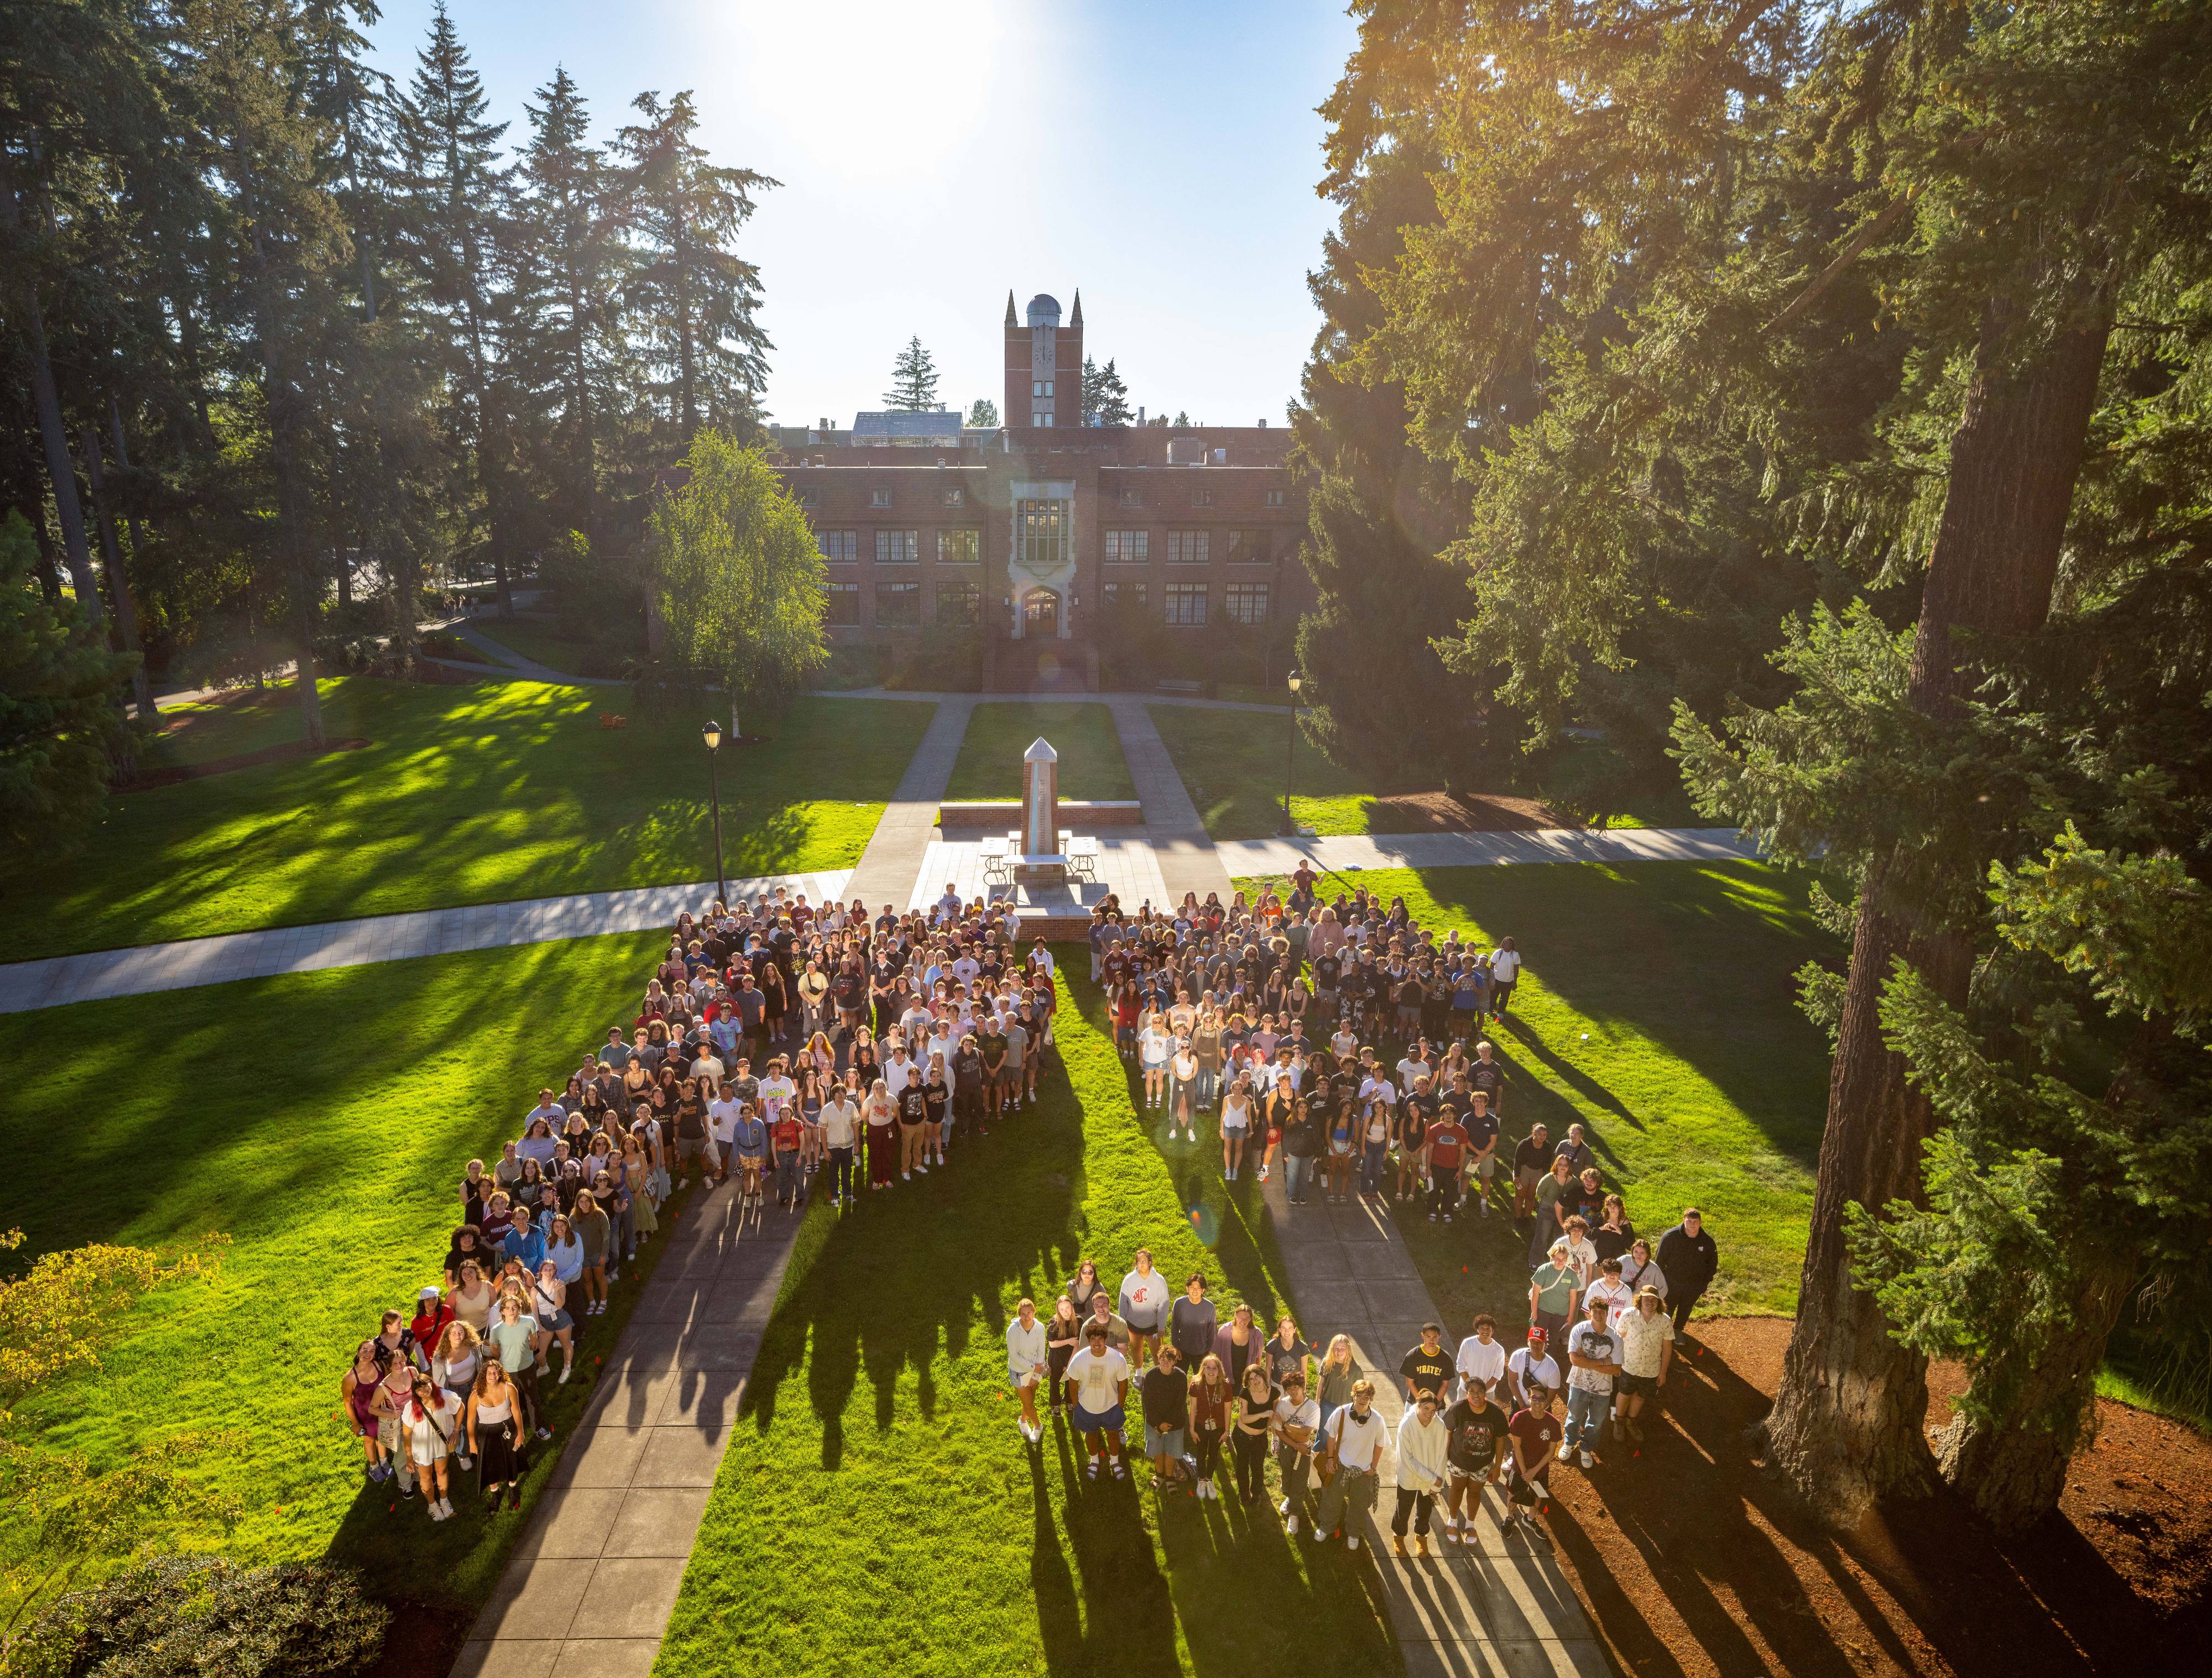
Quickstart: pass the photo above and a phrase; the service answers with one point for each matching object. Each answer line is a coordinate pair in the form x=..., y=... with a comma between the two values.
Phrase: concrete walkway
x=1187, y=855
x=1347, y=853
x=1498, y=1605
x=588, y=1591
x=888, y=869
x=514, y=663
x=61, y=980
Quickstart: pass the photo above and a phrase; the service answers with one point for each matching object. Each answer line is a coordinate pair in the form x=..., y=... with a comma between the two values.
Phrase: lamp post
x=712, y=734
x=1289, y=760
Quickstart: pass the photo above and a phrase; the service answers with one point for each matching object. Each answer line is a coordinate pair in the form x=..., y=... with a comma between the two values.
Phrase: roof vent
x=1186, y=452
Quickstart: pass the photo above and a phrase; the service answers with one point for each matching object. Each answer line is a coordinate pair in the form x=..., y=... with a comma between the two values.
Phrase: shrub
x=204, y=1617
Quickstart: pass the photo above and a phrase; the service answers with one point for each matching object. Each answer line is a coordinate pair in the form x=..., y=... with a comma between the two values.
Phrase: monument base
x=1041, y=871
x=1053, y=912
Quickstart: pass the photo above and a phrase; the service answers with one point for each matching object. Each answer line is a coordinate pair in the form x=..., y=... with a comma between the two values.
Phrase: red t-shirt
x=1445, y=1140
x=1539, y=1434
x=786, y=1132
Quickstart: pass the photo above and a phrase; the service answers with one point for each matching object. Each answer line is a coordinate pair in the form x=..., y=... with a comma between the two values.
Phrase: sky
x=935, y=154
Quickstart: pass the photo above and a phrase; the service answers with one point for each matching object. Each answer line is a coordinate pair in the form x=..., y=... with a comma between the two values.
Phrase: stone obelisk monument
x=1039, y=860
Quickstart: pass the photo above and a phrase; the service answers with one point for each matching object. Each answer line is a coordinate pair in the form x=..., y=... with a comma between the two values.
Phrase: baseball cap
x=430, y=1290
x=1536, y=1331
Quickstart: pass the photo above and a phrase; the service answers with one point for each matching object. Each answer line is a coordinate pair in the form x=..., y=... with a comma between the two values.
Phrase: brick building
x=1027, y=529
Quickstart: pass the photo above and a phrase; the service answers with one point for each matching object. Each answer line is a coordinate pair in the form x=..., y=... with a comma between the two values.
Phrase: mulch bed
x=175, y=773
x=1691, y=1561
x=1462, y=813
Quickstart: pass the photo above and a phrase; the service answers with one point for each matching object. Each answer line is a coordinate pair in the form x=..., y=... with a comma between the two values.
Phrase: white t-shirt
x=1098, y=1376
x=1543, y=1372
x=1478, y=1362
x=722, y=1118
x=708, y=1065
x=1602, y=1344
x=1619, y=1298
x=775, y=1093
x=1153, y=1046
x=898, y=1074
x=1358, y=1442
x=1026, y=1347
x=1505, y=966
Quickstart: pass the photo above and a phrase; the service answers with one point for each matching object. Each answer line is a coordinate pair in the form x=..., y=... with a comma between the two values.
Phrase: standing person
x=1375, y=1127
x=1212, y=1400
x=1475, y=1427
x=1424, y=1444
x=1143, y=1304
x=1690, y=1257
x=1182, y=1090
x=431, y=1421
x=1154, y=1047
x=936, y=1102
x=1647, y=1353
x=1555, y=1204
x=1531, y=1159
x=1239, y=1344
x=1166, y=1392
x=1301, y=1147
x=1481, y=1127
x=1236, y=1107
x=1554, y=1292
x=1297, y=1422
x=592, y=1229
x=1504, y=975
x=840, y=1133
x=1192, y=1321
x=1639, y=1270
x=1287, y=1351
x=1254, y=1427
x=358, y=1388
x=1593, y=1360
x=1353, y=1438
x=1098, y=1385
x=879, y=1121
x=785, y=1138
x=1481, y=1359
x=1530, y=1438
x=494, y=1421
x=913, y=1121
x=1619, y=1298
x=1029, y=1359
x=549, y=1298
x=513, y=1341
x=1336, y=1378
x=1063, y=1338
x=1447, y=1141
x=1530, y=1366
x=1428, y=1367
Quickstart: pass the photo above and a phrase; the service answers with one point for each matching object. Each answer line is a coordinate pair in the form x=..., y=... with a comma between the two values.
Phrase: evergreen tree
x=983, y=416
x=913, y=381
x=691, y=297
x=1105, y=397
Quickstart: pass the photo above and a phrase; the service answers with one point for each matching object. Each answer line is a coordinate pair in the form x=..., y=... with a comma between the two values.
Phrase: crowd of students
x=1330, y=1041
x=777, y=1043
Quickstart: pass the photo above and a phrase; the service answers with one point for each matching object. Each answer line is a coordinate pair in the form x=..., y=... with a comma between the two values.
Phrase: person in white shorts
x=1027, y=1359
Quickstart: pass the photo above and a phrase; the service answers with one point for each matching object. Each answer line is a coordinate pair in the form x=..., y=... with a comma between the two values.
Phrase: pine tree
x=1105, y=397
x=913, y=381
x=691, y=297
x=983, y=416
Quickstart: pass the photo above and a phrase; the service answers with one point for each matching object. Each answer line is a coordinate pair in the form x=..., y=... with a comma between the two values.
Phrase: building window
x=1040, y=534
x=1041, y=387
x=959, y=546
x=1248, y=546
x=898, y=605
x=1279, y=498
x=897, y=546
x=1133, y=498
x=807, y=499
x=840, y=547
x=844, y=605
x=1129, y=589
x=1043, y=416
x=1201, y=498
x=1190, y=547
x=879, y=498
x=1128, y=547
x=956, y=602
x=956, y=495
x=1246, y=602
x=1187, y=604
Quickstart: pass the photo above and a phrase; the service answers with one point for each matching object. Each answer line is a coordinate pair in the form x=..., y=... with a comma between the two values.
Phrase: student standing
x=841, y=1126
x=1254, y=1427
x=1029, y=1358
x=1531, y=1436
x=1423, y=1440
x=1192, y=1323
x=1593, y=1360
x=1212, y=1400
x=1143, y=1302
x=1166, y=1392
x=1474, y=1452
x=1353, y=1440
x=1647, y=1353
x=1063, y=1339
x=1689, y=1257
x=1098, y=1385
x=1297, y=1422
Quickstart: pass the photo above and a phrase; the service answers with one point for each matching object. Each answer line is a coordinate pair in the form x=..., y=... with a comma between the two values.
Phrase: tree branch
x=1859, y=241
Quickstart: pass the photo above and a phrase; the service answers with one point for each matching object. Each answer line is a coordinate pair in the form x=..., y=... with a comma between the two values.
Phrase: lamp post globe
x=712, y=734
x=1289, y=828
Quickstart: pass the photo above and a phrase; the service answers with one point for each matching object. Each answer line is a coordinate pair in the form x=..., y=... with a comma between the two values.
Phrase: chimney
x=1140, y=413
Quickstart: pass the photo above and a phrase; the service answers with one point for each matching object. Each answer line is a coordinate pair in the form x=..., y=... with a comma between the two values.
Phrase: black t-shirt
x=1167, y=1397
x=934, y=1099
x=913, y=1104
x=994, y=1046
x=1531, y=1155
x=1429, y=1371
x=1477, y=1434
x=1481, y=1129
x=1325, y=973
x=967, y=1068
x=1488, y=1077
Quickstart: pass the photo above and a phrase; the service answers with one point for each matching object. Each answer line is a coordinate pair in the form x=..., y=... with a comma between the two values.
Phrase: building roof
x=943, y=422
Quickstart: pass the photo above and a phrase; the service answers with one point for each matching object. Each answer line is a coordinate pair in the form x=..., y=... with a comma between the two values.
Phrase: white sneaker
x=1351, y=1541
x=1589, y=1460
x=567, y=1370
x=446, y=1503
x=906, y=1177
x=1291, y=1526
x=1566, y=1453
x=436, y=1513
x=1284, y=1507
x=923, y=1169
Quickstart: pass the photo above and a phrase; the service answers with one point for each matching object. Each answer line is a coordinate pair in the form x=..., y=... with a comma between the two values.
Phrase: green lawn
x=1091, y=761
x=1657, y=1008
x=538, y=638
x=321, y=1121
x=1233, y=763
x=480, y=794
x=877, y=1511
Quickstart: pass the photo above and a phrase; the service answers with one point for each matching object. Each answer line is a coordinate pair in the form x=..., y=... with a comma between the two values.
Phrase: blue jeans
x=1371, y=1167
x=1586, y=1413
x=1298, y=1175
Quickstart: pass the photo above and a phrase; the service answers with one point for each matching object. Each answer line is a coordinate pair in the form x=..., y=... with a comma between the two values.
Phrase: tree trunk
x=1846, y=1427
x=119, y=580
x=46, y=398
x=50, y=578
x=2013, y=1468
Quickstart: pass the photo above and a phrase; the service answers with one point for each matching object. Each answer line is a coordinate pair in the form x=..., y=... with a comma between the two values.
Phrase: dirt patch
x=1462, y=813
x=1692, y=1562
x=423, y=1639
x=173, y=774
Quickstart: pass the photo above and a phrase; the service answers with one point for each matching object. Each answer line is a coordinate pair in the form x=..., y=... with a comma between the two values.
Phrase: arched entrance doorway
x=1041, y=613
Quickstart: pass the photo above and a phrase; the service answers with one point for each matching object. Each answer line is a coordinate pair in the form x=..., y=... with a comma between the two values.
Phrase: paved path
x=1496, y=1606
x=514, y=663
x=1349, y=852
x=294, y=949
x=1187, y=856
x=889, y=866
x=588, y=1591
